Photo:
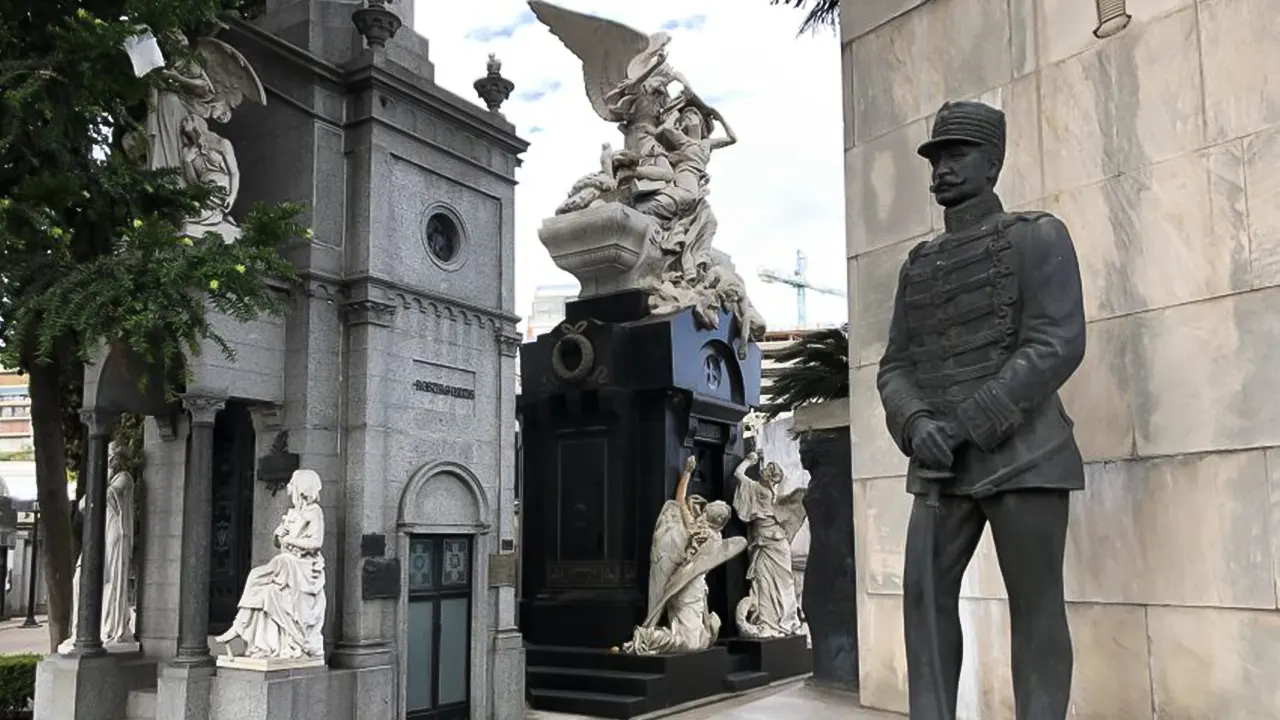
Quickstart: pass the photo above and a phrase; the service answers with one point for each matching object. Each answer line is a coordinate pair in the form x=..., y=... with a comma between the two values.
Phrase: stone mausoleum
x=1157, y=141
x=391, y=375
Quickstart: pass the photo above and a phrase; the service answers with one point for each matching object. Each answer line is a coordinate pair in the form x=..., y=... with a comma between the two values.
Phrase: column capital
x=266, y=417
x=99, y=422
x=203, y=408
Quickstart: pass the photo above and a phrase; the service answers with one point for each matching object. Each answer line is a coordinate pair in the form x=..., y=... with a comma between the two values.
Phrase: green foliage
x=89, y=244
x=25, y=454
x=88, y=235
x=818, y=371
x=819, y=13
x=17, y=681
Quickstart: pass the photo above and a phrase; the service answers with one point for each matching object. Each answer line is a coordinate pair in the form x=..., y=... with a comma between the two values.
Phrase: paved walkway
x=15, y=639
x=794, y=700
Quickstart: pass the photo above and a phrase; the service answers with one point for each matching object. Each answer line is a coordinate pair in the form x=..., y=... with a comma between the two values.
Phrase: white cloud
x=778, y=190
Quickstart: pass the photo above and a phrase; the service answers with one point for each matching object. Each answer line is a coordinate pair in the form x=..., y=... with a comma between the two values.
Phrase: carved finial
x=376, y=23
x=494, y=89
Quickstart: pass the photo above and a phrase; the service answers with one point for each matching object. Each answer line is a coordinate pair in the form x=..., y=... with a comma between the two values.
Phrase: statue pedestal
x=603, y=247
x=241, y=693
x=75, y=688
x=769, y=660
x=600, y=683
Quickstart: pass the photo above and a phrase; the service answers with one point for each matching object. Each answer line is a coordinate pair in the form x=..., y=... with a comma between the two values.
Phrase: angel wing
x=713, y=553
x=606, y=49
x=670, y=538
x=789, y=509
x=230, y=73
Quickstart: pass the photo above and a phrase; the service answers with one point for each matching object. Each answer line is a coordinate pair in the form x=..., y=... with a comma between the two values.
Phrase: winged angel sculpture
x=178, y=126
x=770, y=609
x=686, y=546
x=661, y=170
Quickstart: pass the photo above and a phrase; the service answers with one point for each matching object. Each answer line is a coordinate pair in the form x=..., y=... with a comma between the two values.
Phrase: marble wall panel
x=1241, y=90
x=1158, y=236
x=1099, y=397
x=875, y=278
x=874, y=452
x=1205, y=375
x=1214, y=663
x=1190, y=530
x=1123, y=104
x=886, y=190
x=1261, y=159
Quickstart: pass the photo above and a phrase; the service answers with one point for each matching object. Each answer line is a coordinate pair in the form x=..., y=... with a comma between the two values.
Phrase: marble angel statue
x=686, y=546
x=178, y=135
x=669, y=136
x=117, y=613
x=282, y=609
x=770, y=609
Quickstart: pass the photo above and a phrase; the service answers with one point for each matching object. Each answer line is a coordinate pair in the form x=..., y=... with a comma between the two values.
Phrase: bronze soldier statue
x=988, y=324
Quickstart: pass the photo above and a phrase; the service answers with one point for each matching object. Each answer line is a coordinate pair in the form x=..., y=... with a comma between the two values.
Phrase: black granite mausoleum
x=613, y=402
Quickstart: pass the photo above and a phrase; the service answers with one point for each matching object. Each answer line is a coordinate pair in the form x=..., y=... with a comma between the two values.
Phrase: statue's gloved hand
x=933, y=444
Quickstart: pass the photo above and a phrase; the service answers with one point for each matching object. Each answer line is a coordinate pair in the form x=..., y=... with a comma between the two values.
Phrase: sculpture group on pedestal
x=178, y=134
x=282, y=609
x=687, y=544
x=770, y=610
x=661, y=170
x=117, y=612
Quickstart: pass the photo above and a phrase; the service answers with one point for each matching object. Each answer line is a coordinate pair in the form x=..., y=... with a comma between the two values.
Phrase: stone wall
x=1160, y=149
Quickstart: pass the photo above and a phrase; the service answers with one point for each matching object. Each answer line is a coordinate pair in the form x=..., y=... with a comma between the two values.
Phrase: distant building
x=545, y=313
x=15, y=412
x=548, y=308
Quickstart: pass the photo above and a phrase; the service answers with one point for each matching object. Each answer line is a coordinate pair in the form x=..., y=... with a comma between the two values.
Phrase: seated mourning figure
x=686, y=546
x=282, y=609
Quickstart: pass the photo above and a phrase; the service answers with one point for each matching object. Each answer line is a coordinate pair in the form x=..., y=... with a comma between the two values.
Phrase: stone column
x=197, y=529
x=88, y=640
x=361, y=642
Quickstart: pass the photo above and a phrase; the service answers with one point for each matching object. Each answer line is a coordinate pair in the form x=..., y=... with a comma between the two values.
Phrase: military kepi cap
x=968, y=123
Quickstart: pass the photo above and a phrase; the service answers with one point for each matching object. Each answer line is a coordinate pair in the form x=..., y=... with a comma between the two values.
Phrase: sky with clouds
x=779, y=190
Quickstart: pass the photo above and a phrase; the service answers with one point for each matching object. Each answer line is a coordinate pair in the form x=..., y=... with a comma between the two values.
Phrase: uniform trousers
x=1029, y=528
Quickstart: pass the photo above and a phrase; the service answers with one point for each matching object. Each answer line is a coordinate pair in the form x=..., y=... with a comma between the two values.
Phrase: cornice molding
x=373, y=71
x=387, y=296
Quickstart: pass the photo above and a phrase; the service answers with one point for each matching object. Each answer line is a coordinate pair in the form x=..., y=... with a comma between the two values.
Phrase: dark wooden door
x=231, y=548
x=438, y=666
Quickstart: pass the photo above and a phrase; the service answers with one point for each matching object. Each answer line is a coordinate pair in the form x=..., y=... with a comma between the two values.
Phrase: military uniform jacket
x=987, y=325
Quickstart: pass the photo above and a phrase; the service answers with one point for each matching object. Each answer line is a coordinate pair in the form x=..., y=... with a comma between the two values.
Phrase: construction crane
x=798, y=281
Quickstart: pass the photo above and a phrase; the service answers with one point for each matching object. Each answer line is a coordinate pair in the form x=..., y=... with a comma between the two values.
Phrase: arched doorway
x=444, y=636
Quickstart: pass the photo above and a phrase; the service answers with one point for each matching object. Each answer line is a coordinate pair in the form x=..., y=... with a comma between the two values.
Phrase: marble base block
x=279, y=693
x=603, y=247
x=268, y=664
x=71, y=688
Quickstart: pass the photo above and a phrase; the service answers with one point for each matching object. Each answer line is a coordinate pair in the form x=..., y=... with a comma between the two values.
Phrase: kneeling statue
x=282, y=609
x=686, y=546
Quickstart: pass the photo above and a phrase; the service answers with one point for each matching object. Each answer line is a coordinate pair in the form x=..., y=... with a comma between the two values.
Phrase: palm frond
x=818, y=371
x=820, y=14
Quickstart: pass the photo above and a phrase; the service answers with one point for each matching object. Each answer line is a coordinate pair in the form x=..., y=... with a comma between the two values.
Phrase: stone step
x=141, y=705
x=608, y=682
x=743, y=680
x=588, y=703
